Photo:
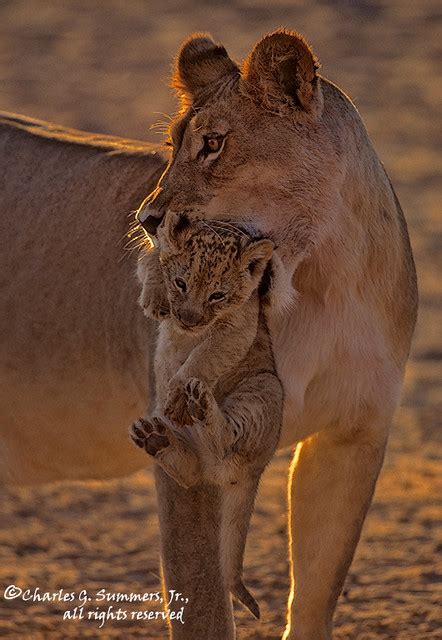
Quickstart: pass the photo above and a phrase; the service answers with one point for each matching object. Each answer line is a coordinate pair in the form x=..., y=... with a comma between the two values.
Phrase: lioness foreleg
x=190, y=547
x=331, y=485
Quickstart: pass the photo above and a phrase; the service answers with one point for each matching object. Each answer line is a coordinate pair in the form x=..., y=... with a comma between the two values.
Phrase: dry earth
x=102, y=66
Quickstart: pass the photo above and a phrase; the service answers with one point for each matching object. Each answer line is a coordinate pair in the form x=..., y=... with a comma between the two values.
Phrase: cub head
x=246, y=136
x=210, y=268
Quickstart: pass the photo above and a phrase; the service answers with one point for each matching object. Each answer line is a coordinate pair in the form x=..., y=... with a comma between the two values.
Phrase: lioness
x=290, y=149
x=271, y=142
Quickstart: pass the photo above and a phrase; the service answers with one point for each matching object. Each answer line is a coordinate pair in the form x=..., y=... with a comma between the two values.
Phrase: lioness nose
x=149, y=216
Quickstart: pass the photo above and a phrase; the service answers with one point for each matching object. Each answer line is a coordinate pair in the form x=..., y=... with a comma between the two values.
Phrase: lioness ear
x=281, y=72
x=255, y=258
x=199, y=64
x=170, y=229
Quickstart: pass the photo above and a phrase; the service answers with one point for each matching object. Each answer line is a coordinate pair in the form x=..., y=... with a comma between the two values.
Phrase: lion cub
x=218, y=398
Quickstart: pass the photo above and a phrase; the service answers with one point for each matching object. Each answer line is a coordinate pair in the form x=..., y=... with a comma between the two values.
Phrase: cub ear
x=171, y=228
x=200, y=63
x=255, y=257
x=281, y=72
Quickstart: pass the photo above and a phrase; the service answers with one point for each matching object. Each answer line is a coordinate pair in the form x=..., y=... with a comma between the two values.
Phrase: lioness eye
x=212, y=144
x=217, y=296
x=180, y=285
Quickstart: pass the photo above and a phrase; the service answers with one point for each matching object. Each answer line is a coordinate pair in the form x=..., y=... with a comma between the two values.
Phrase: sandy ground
x=102, y=65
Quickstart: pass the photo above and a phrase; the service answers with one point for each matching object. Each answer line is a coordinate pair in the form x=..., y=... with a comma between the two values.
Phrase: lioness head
x=247, y=137
x=209, y=269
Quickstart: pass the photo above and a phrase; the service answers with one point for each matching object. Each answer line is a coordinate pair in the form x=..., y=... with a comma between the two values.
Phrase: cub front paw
x=149, y=435
x=155, y=304
x=176, y=404
x=197, y=399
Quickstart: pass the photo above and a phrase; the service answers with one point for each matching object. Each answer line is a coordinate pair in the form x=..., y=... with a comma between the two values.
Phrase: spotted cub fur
x=218, y=399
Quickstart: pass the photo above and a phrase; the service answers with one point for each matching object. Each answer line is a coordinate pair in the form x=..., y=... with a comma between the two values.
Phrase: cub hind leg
x=158, y=439
x=237, y=441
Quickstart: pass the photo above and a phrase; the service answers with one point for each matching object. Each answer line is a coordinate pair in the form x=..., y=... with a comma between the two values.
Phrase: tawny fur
x=291, y=149
x=311, y=180
x=70, y=352
x=216, y=373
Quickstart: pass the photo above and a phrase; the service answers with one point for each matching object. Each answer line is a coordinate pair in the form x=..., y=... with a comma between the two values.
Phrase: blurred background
x=103, y=65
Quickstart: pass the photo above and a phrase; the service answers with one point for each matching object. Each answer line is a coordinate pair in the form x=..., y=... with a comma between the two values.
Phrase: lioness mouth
x=147, y=220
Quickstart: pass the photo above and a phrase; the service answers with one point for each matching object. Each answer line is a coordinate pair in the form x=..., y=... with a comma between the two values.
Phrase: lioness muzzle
x=149, y=217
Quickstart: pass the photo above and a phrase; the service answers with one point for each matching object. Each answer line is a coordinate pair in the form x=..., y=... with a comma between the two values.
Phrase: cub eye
x=217, y=296
x=180, y=285
x=213, y=143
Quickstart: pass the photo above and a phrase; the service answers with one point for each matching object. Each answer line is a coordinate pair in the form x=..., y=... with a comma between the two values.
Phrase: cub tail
x=241, y=592
x=236, y=510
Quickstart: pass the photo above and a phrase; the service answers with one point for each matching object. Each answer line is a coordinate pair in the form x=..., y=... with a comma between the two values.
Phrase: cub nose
x=190, y=318
x=149, y=217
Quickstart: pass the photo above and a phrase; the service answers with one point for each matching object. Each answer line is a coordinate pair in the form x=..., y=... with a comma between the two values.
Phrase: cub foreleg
x=153, y=299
